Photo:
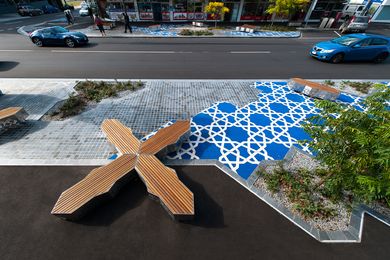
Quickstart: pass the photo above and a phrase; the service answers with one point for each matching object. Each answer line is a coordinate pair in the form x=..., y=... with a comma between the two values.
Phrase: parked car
x=49, y=9
x=355, y=24
x=359, y=46
x=57, y=35
x=24, y=10
x=84, y=11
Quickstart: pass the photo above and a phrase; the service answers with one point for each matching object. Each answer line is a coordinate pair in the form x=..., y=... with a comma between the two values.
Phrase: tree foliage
x=216, y=10
x=354, y=145
x=286, y=7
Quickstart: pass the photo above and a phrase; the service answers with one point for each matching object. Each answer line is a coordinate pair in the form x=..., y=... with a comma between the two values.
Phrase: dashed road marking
x=250, y=52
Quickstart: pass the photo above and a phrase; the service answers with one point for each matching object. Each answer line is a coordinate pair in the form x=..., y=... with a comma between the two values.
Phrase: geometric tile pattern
x=264, y=34
x=262, y=130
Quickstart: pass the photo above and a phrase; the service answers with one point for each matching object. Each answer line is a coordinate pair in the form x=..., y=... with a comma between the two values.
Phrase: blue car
x=57, y=35
x=353, y=47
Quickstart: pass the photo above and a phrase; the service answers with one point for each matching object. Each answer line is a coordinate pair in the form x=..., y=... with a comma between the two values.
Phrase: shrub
x=354, y=145
x=72, y=106
x=298, y=187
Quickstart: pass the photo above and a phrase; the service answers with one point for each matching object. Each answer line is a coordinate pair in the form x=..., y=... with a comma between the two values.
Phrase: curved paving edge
x=352, y=235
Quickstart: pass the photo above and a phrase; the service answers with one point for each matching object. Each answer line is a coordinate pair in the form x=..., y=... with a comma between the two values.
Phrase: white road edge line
x=337, y=33
x=250, y=52
x=121, y=52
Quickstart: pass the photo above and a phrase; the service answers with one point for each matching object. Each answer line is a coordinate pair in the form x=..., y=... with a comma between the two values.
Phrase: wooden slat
x=11, y=111
x=99, y=181
x=120, y=136
x=315, y=85
x=163, y=182
x=166, y=136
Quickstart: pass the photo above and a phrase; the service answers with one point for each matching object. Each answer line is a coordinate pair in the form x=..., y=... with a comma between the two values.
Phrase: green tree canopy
x=354, y=145
x=286, y=7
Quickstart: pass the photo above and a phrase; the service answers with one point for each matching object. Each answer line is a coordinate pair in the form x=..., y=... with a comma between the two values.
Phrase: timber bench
x=11, y=116
x=162, y=182
x=313, y=89
x=247, y=28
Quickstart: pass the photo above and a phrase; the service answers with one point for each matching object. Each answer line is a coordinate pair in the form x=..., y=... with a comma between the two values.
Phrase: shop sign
x=195, y=16
x=179, y=16
x=165, y=16
x=145, y=16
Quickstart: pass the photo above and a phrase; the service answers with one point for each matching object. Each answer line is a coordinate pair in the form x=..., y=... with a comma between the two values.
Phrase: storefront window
x=255, y=10
x=327, y=8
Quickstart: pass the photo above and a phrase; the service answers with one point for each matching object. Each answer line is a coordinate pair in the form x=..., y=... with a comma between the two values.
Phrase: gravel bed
x=300, y=160
x=348, y=89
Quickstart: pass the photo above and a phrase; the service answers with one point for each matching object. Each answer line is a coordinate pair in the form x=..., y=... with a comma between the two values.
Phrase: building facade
x=190, y=10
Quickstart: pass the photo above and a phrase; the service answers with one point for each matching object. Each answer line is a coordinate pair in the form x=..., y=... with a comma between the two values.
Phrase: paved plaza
x=80, y=137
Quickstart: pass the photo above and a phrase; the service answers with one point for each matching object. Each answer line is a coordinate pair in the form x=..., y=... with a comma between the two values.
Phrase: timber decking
x=161, y=182
x=8, y=112
x=315, y=85
x=120, y=136
x=99, y=181
x=164, y=137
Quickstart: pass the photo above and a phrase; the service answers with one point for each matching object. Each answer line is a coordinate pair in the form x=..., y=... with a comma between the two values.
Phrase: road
x=164, y=58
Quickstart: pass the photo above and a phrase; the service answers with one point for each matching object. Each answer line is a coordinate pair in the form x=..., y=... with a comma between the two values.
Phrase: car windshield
x=59, y=30
x=346, y=40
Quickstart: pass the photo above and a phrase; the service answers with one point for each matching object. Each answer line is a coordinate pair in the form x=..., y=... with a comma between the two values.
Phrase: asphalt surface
x=159, y=58
x=230, y=223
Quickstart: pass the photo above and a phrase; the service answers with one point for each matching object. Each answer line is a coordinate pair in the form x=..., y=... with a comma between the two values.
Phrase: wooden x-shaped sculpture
x=104, y=182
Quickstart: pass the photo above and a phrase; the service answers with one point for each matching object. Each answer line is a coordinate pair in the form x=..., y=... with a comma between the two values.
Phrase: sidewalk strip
x=250, y=52
x=16, y=50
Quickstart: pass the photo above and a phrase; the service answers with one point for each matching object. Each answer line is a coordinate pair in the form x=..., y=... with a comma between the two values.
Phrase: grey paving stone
x=81, y=138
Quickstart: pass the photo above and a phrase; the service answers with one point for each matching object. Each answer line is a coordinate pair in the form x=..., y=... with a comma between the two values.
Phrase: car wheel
x=38, y=42
x=337, y=58
x=70, y=42
x=381, y=57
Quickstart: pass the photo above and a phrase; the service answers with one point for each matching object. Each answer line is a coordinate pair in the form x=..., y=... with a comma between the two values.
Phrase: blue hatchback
x=57, y=35
x=359, y=46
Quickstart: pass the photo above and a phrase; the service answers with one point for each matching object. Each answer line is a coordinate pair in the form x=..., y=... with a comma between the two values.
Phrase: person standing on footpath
x=127, y=23
x=68, y=17
x=99, y=24
x=90, y=12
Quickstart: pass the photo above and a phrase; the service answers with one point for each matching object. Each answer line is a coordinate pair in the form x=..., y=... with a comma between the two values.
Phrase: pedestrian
x=127, y=23
x=90, y=12
x=68, y=17
x=99, y=24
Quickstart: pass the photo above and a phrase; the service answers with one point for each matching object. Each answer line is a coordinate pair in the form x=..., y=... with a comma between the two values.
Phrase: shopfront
x=192, y=10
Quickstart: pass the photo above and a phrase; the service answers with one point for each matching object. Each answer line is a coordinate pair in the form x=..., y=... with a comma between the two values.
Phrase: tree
x=354, y=145
x=286, y=7
x=216, y=10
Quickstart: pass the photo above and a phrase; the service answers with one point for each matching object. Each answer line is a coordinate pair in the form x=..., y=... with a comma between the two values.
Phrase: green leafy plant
x=363, y=87
x=277, y=28
x=72, y=106
x=354, y=145
x=329, y=82
x=298, y=187
x=286, y=7
x=188, y=32
x=94, y=91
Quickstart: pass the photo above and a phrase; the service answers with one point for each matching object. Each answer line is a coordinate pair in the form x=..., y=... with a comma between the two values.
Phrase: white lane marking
x=122, y=52
x=337, y=33
x=16, y=50
x=9, y=29
x=250, y=52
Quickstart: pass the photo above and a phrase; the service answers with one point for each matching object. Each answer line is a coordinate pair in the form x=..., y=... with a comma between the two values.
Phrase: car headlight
x=327, y=51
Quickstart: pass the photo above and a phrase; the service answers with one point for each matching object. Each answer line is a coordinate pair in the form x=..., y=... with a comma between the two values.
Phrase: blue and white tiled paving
x=241, y=137
x=265, y=34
